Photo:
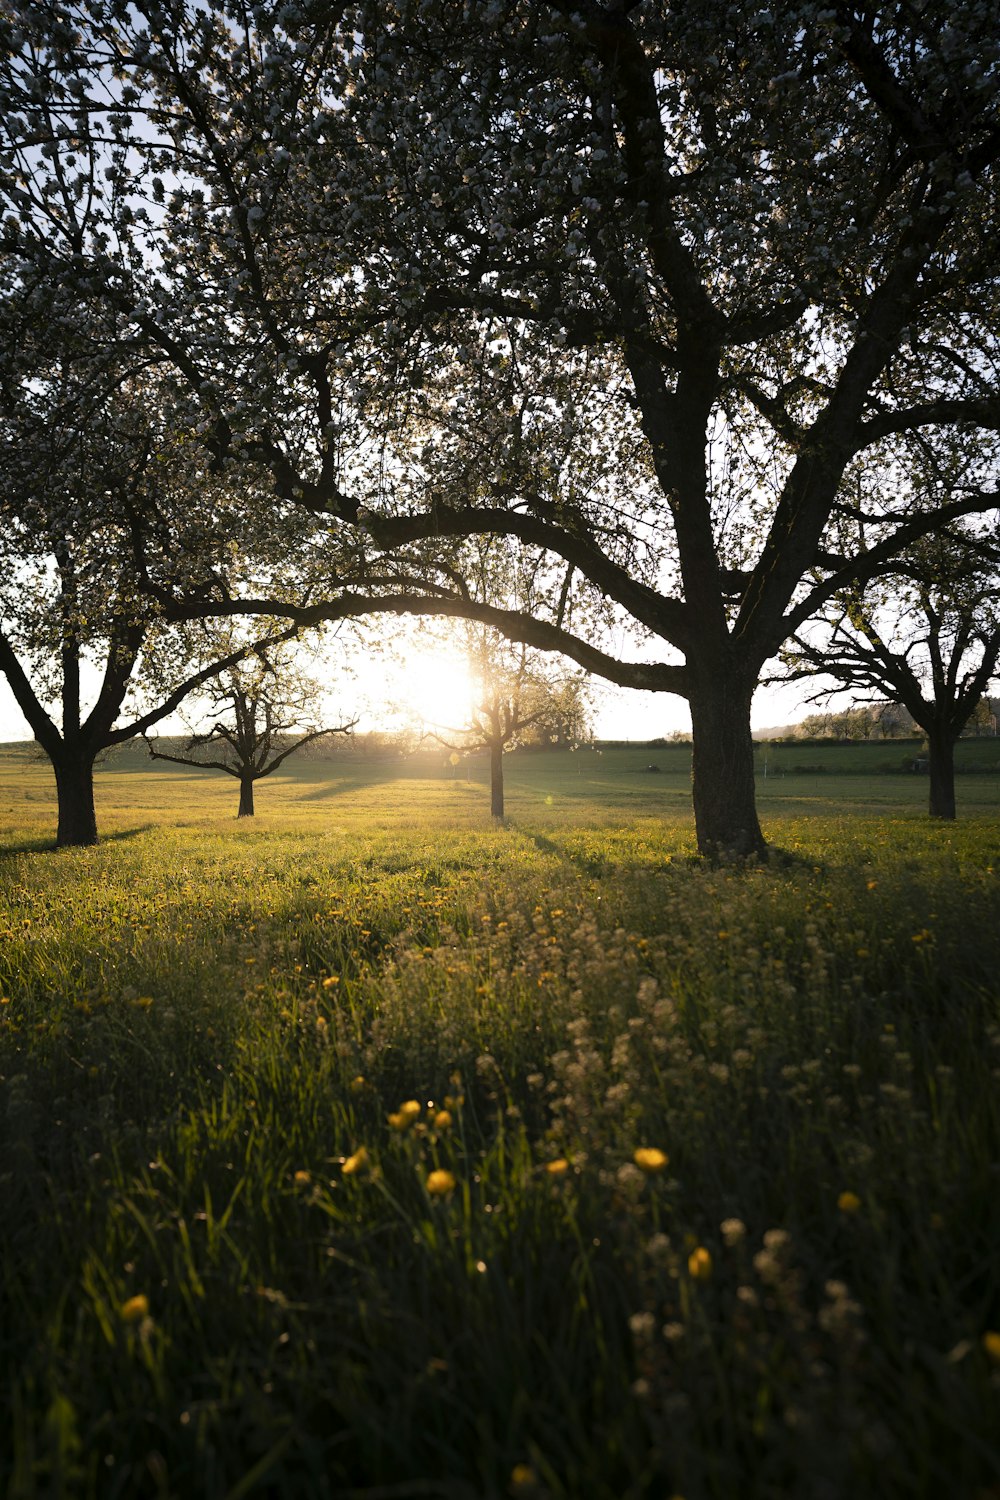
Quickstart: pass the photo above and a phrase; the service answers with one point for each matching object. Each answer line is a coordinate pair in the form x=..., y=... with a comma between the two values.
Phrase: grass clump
x=400, y=1155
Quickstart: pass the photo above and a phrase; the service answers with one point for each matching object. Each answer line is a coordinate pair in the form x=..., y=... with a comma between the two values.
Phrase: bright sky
x=417, y=682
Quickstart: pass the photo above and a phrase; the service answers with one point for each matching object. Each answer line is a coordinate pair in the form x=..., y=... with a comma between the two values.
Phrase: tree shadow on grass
x=336, y=789
x=47, y=845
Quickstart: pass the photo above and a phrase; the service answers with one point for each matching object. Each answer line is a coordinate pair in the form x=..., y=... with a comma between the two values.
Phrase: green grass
x=204, y=1022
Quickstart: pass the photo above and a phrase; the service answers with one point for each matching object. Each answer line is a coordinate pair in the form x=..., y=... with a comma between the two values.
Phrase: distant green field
x=369, y=1151
x=792, y=781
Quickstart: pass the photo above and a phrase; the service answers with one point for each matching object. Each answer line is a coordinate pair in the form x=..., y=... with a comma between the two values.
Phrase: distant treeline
x=883, y=721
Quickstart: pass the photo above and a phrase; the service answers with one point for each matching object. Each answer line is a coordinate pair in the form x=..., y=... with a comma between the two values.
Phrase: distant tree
x=927, y=634
x=264, y=708
x=564, y=718
x=984, y=718
x=516, y=691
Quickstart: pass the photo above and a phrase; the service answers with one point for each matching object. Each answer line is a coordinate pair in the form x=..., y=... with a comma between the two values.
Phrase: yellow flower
x=404, y=1116
x=991, y=1343
x=356, y=1163
x=700, y=1264
x=440, y=1183
x=330, y=981
x=357, y=1084
x=134, y=1309
x=302, y=1178
x=650, y=1159
x=442, y=1120
x=848, y=1202
x=522, y=1477
x=557, y=1168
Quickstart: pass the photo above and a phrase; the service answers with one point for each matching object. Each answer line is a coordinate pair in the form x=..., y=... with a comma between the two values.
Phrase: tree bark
x=74, y=772
x=941, y=765
x=246, y=797
x=725, y=805
x=496, y=779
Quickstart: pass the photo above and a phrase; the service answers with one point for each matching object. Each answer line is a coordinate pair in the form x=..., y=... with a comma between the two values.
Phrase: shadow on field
x=48, y=845
x=337, y=789
x=542, y=844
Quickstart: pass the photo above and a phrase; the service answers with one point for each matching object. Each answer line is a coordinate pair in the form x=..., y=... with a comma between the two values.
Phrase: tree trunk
x=941, y=765
x=725, y=806
x=74, y=771
x=496, y=779
x=246, y=797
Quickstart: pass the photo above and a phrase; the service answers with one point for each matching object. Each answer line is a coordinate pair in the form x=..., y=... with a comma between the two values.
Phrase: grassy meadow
x=368, y=1150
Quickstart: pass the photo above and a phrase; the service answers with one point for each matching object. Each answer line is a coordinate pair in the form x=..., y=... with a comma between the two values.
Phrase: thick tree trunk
x=725, y=806
x=246, y=797
x=74, y=773
x=941, y=765
x=496, y=779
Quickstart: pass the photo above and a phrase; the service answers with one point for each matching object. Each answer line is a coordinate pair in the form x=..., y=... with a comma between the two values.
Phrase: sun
x=435, y=687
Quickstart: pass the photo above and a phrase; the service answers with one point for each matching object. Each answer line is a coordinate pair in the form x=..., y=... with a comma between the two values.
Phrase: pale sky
x=430, y=686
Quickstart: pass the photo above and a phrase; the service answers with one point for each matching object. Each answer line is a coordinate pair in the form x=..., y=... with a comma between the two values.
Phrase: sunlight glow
x=435, y=688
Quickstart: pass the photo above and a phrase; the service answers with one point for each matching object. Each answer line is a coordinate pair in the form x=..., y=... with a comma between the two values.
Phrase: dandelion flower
x=522, y=1477
x=404, y=1116
x=441, y=1183
x=356, y=1163
x=557, y=1168
x=442, y=1120
x=650, y=1159
x=134, y=1309
x=848, y=1202
x=700, y=1264
x=991, y=1343
x=357, y=1085
x=330, y=981
x=302, y=1178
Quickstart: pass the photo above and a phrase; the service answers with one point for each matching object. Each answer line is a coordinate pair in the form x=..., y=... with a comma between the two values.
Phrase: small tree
x=564, y=718
x=258, y=704
x=515, y=694
x=927, y=635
